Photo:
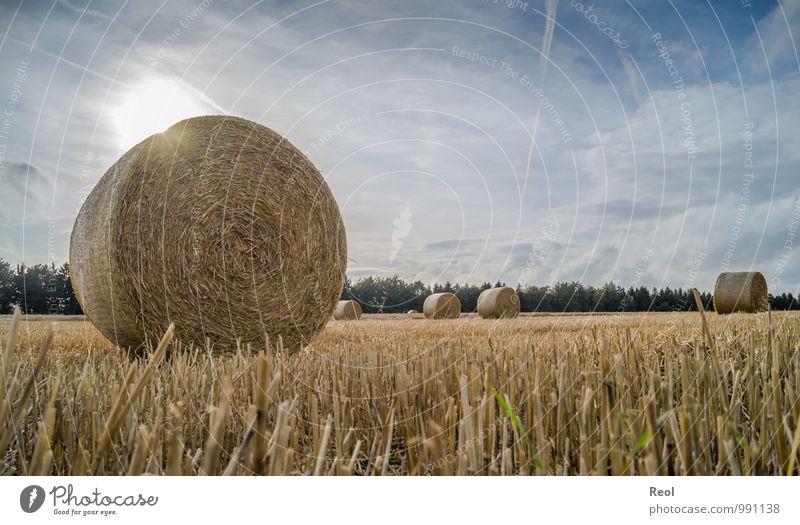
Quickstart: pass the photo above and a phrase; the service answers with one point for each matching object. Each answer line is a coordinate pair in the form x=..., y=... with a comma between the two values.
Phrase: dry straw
x=219, y=225
x=740, y=292
x=442, y=306
x=347, y=311
x=498, y=303
x=679, y=393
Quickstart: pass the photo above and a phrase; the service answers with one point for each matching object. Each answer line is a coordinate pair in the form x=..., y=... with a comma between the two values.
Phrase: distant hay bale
x=498, y=303
x=219, y=225
x=412, y=312
x=740, y=292
x=347, y=311
x=442, y=306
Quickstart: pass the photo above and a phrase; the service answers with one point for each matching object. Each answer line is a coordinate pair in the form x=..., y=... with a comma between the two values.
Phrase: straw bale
x=740, y=292
x=347, y=311
x=219, y=225
x=498, y=303
x=442, y=306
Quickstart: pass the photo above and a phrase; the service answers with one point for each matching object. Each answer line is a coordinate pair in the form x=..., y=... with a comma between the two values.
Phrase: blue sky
x=648, y=142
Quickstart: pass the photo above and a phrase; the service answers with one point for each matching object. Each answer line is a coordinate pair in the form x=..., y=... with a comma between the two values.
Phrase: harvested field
x=575, y=394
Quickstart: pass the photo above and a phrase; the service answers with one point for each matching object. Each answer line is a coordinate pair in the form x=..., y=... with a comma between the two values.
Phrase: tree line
x=37, y=289
x=395, y=295
x=47, y=289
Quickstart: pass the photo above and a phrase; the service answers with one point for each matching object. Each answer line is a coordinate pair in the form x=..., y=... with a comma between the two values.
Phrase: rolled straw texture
x=740, y=292
x=347, y=311
x=219, y=225
x=442, y=306
x=498, y=303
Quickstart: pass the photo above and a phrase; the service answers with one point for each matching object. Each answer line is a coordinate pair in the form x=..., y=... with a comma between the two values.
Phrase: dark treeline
x=37, y=289
x=47, y=289
x=394, y=295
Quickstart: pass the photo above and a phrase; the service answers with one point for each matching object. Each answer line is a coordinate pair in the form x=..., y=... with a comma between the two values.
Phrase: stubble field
x=392, y=395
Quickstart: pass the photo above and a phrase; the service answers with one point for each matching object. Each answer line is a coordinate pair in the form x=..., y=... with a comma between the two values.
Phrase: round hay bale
x=412, y=312
x=347, y=311
x=740, y=292
x=498, y=303
x=442, y=306
x=219, y=225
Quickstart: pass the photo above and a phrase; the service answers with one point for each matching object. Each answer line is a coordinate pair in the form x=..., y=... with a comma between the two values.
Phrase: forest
x=395, y=295
x=47, y=289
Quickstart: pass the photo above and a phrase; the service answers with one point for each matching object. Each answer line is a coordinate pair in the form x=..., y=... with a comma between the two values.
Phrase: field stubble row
x=591, y=394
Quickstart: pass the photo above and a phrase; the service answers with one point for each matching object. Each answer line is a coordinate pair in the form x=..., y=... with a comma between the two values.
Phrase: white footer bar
x=121, y=500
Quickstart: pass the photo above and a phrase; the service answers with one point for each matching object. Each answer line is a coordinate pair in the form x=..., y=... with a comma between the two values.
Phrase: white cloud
x=776, y=40
x=426, y=130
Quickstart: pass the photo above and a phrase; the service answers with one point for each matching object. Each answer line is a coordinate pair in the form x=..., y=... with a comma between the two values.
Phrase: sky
x=645, y=142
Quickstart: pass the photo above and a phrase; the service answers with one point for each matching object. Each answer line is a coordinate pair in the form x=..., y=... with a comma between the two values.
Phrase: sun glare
x=152, y=107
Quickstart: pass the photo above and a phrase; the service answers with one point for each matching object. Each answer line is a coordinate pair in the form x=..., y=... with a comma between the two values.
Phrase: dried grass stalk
x=498, y=303
x=443, y=305
x=678, y=393
x=740, y=292
x=219, y=225
x=347, y=311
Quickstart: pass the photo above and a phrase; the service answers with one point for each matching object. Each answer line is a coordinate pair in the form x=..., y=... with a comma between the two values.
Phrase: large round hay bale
x=347, y=311
x=443, y=305
x=740, y=292
x=498, y=303
x=219, y=225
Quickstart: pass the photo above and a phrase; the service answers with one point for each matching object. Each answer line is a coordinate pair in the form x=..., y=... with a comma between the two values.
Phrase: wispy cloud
x=84, y=10
x=431, y=107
